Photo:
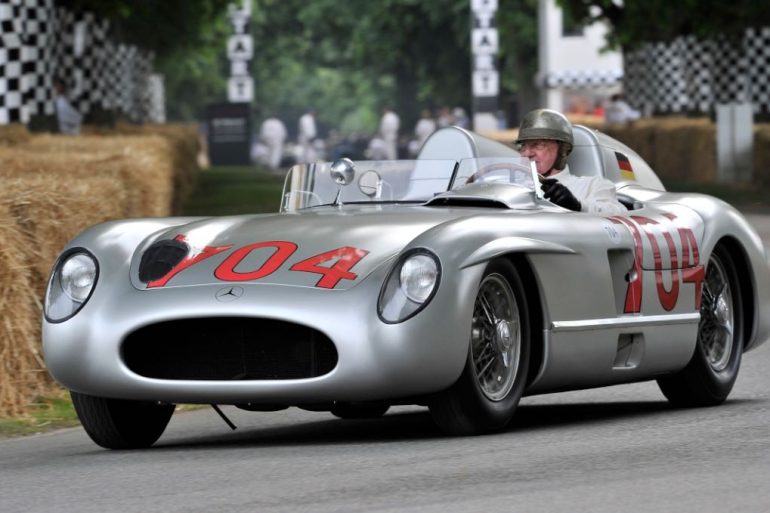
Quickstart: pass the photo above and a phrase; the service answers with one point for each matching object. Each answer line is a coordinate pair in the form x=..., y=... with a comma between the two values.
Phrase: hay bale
x=22, y=371
x=38, y=216
x=145, y=164
x=678, y=148
x=186, y=148
x=762, y=155
x=686, y=150
x=53, y=188
x=49, y=214
x=13, y=134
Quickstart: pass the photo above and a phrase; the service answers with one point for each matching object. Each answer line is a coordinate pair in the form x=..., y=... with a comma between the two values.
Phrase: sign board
x=486, y=83
x=240, y=89
x=483, y=5
x=484, y=41
x=485, y=79
x=228, y=129
x=240, y=47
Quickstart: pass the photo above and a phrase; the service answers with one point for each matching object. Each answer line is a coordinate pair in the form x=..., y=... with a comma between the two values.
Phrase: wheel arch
x=746, y=283
x=535, y=309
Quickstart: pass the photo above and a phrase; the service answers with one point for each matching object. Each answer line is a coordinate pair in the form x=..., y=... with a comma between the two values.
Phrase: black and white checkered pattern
x=38, y=43
x=12, y=60
x=689, y=75
x=757, y=62
x=578, y=79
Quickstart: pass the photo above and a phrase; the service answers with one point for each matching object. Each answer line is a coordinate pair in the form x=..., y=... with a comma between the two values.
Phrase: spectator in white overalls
x=305, y=135
x=273, y=134
x=389, y=132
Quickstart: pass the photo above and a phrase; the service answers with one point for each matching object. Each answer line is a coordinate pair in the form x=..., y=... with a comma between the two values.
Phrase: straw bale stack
x=762, y=155
x=186, y=144
x=144, y=163
x=14, y=133
x=36, y=221
x=679, y=148
x=53, y=188
x=49, y=214
x=22, y=372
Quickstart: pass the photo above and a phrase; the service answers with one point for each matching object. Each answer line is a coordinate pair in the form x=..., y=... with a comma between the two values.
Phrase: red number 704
x=343, y=259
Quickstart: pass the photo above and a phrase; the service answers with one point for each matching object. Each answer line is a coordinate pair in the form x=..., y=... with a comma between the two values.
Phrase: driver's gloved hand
x=558, y=193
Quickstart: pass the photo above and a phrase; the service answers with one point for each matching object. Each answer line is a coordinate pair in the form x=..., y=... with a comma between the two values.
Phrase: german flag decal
x=626, y=171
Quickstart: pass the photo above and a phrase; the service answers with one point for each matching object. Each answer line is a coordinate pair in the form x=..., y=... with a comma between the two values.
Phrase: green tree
x=518, y=30
x=635, y=22
x=405, y=53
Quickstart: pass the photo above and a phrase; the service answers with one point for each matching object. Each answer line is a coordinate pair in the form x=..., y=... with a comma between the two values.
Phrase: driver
x=545, y=137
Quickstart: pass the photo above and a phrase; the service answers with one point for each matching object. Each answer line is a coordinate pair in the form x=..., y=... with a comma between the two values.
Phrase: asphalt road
x=605, y=450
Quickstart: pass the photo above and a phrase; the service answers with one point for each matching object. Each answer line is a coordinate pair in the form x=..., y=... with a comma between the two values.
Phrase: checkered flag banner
x=40, y=41
x=580, y=78
x=693, y=76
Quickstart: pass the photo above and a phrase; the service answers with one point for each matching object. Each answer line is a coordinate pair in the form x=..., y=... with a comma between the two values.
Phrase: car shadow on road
x=418, y=425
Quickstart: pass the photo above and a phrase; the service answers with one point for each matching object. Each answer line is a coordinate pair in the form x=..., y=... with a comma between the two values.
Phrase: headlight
x=72, y=281
x=410, y=286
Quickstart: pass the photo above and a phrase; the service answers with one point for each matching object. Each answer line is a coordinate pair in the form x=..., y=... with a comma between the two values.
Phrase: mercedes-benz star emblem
x=226, y=294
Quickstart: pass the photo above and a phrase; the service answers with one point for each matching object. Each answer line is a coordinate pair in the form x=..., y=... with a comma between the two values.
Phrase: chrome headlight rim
x=393, y=279
x=55, y=281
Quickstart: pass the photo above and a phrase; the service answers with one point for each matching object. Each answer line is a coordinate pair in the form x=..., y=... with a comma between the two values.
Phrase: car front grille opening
x=228, y=349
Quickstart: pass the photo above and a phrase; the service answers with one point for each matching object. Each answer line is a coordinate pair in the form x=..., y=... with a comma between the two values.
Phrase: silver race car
x=447, y=281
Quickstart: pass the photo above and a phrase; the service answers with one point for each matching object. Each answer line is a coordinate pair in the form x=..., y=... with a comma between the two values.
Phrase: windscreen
x=399, y=181
x=373, y=181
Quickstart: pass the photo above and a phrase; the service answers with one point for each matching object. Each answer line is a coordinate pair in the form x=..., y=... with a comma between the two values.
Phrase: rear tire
x=487, y=393
x=709, y=377
x=121, y=424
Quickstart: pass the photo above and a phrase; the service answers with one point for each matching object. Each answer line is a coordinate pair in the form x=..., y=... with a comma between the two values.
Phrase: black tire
x=359, y=410
x=711, y=373
x=121, y=424
x=475, y=405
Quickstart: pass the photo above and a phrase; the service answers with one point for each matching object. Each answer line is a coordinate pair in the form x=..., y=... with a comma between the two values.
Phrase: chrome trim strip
x=626, y=322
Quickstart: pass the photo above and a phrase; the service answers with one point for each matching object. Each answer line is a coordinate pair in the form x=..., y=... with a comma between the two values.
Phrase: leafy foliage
x=634, y=22
x=348, y=60
x=345, y=59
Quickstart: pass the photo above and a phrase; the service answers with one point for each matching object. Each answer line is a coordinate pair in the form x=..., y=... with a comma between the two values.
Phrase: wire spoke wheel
x=711, y=373
x=715, y=332
x=495, y=337
x=485, y=396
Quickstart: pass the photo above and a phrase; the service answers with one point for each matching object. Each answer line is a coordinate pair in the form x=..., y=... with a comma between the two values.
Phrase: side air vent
x=160, y=258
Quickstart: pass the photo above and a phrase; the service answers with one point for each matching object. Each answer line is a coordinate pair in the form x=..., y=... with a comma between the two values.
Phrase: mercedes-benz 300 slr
x=446, y=281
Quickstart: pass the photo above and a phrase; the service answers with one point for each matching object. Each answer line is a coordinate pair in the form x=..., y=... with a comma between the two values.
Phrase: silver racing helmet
x=548, y=124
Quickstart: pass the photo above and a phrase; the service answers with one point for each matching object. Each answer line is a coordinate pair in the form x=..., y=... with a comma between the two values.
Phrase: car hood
x=324, y=247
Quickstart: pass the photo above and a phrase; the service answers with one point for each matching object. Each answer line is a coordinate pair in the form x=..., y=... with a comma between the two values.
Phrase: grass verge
x=235, y=190
x=46, y=414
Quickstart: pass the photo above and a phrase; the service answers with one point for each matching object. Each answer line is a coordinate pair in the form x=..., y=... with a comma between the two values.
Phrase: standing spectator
x=69, y=119
x=425, y=126
x=444, y=118
x=389, y=132
x=306, y=134
x=273, y=134
x=619, y=112
x=460, y=117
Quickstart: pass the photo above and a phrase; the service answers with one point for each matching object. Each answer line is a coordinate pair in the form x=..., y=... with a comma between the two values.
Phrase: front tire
x=121, y=424
x=487, y=393
x=709, y=377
